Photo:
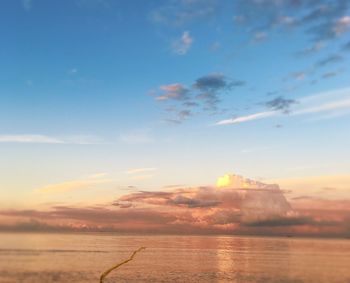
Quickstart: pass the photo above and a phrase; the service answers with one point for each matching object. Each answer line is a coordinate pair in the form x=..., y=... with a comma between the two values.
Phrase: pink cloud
x=262, y=210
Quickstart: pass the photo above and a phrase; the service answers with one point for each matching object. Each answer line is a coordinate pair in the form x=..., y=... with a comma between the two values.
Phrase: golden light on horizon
x=236, y=181
x=223, y=181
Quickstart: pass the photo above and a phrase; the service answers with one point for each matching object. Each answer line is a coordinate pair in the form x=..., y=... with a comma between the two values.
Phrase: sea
x=83, y=257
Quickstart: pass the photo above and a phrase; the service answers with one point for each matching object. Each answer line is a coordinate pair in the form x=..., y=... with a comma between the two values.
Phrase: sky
x=104, y=102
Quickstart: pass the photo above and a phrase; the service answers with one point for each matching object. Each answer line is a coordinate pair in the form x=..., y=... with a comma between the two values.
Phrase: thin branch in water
x=104, y=274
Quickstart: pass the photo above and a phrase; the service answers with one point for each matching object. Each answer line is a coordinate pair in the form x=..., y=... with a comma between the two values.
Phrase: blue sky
x=182, y=90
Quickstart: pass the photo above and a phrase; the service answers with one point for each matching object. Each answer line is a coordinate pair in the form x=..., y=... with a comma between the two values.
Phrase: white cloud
x=182, y=45
x=327, y=102
x=48, y=139
x=342, y=25
x=333, y=105
x=241, y=119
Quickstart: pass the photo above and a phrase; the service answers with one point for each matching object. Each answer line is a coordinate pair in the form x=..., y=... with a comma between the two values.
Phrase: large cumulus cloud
x=237, y=206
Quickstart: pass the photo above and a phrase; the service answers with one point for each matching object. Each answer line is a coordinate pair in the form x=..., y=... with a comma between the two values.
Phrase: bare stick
x=104, y=274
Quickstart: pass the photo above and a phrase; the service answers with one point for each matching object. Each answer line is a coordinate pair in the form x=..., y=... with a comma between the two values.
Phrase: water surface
x=39, y=257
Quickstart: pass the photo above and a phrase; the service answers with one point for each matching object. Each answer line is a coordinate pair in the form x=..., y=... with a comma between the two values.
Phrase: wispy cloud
x=77, y=139
x=175, y=91
x=27, y=4
x=182, y=45
x=242, y=119
x=329, y=106
x=329, y=75
x=334, y=58
x=342, y=25
x=140, y=170
x=321, y=20
x=72, y=71
x=317, y=46
x=321, y=103
x=259, y=36
x=178, y=13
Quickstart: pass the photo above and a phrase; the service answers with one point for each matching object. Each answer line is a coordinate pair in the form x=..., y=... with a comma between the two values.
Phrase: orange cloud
x=261, y=209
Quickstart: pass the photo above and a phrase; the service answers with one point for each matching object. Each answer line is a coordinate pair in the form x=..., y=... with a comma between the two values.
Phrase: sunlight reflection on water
x=83, y=257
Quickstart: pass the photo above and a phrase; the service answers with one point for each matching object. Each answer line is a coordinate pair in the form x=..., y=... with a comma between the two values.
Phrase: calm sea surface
x=83, y=257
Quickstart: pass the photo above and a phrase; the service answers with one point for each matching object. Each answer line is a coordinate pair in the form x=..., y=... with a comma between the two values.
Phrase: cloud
x=340, y=100
x=96, y=218
x=210, y=87
x=205, y=91
x=41, y=139
x=346, y=46
x=27, y=5
x=317, y=46
x=342, y=25
x=192, y=202
x=178, y=13
x=184, y=114
x=329, y=106
x=282, y=221
x=259, y=36
x=281, y=104
x=329, y=75
x=73, y=71
x=183, y=45
x=141, y=170
x=252, y=117
x=175, y=91
x=334, y=58
x=211, y=83
x=242, y=206
x=298, y=75
x=248, y=203
x=320, y=20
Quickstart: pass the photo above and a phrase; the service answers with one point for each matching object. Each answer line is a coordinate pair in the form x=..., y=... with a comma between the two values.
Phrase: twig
x=104, y=274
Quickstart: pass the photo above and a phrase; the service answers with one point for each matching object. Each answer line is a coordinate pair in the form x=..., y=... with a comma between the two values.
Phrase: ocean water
x=40, y=257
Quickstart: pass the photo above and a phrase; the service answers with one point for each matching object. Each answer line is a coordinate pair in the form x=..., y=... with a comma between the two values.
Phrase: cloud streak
x=42, y=139
x=69, y=186
x=247, y=118
x=316, y=106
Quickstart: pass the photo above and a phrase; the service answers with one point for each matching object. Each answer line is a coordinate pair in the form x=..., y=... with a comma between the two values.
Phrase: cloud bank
x=236, y=205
